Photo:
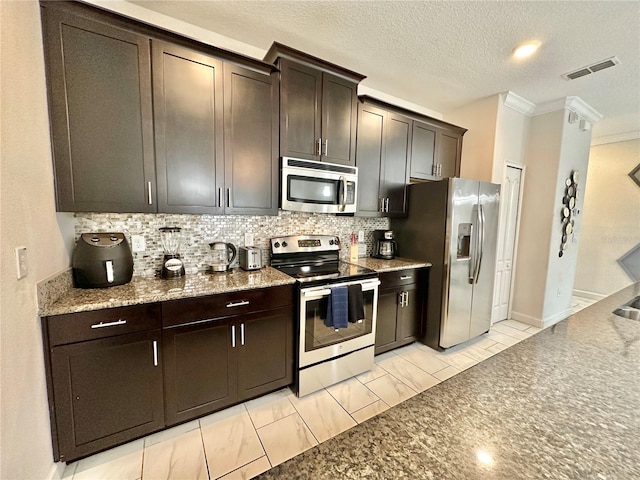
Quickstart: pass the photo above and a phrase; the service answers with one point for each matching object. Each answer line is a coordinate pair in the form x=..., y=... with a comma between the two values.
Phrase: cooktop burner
x=314, y=259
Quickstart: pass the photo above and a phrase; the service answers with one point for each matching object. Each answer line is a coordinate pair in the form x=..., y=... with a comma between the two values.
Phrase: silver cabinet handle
x=401, y=299
x=149, y=196
x=155, y=353
x=382, y=204
x=238, y=304
x=406, y=299
x=326, y=147
x=405, y=277
x=220, y=197
x=320, y=146
x=242, y=334
x=121, y=321
x=228, y=197
x=386, y=204
x=233, y=336
x=440, y=169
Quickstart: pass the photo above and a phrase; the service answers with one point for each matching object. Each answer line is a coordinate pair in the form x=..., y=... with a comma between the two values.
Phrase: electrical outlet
x=21, y=262
x=138, y=243
x=361, y=236
x=248, y=239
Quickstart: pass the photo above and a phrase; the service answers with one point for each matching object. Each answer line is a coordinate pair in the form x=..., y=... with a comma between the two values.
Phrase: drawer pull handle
x=238, y=304
x=405, y=277
x=109, y=324
x=155, y=353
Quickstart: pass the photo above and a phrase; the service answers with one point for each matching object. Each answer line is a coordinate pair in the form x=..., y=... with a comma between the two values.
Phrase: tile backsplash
x=200, y=230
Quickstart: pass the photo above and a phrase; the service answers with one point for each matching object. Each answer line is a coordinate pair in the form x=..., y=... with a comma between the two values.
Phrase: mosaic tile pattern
x=200, y=230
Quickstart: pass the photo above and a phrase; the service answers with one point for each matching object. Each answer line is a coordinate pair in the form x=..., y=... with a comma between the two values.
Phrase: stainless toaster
x=250, y=258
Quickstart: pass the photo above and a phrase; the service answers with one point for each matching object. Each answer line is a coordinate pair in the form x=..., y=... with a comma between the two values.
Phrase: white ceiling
x=445, y=54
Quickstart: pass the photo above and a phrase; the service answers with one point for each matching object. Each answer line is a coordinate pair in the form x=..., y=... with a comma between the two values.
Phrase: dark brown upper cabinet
x=211, y=115
x=436, y=150
x=318, y=107
x=382, y=158
x=100, y=105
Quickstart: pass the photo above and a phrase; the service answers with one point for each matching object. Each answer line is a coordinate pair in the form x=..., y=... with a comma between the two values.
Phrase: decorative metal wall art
x=569, y=202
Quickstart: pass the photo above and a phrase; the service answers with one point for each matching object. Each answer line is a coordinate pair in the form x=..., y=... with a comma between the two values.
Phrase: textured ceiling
x=445, y=54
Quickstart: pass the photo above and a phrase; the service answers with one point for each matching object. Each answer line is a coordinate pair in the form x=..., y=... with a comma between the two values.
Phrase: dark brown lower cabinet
x=106, y=392
x=400, y=305
x=211, y=363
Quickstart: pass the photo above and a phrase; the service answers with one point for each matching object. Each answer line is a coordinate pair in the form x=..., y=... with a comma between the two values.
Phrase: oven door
x=317, y=342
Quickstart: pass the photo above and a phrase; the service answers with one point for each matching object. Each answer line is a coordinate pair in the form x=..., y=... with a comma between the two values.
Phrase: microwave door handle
x=343, y=202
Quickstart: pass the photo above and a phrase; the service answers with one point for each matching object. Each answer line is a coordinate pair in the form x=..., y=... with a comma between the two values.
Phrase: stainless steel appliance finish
x=385, y=246
x=320, y=187
x=453, y=223
x=102, y=260
x=250, y=258
x=326, y=355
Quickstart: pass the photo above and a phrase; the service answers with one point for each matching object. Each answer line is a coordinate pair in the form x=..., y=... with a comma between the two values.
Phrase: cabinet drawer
x=78, y=327
x=178, y=312
x=398, y=278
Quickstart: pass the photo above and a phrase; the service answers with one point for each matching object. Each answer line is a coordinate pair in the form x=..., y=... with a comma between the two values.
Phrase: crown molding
x=573, y=104
x=519, y=104
x=621, y=137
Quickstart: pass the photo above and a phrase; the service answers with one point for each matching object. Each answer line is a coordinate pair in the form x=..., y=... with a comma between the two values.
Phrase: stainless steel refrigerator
x=453, y=223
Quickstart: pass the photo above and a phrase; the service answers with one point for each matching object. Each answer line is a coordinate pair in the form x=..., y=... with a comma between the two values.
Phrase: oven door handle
x=321, y=292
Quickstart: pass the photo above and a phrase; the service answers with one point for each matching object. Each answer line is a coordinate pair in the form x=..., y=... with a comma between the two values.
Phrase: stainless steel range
x=333, y=344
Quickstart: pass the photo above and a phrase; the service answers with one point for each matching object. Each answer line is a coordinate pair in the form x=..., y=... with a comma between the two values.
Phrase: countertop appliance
x=321, y=187
x=172, y=266
x=222, y=256
x=384, y=246
x=250, y=258
x=453, y=223
x=102, y=260
x=326, y=354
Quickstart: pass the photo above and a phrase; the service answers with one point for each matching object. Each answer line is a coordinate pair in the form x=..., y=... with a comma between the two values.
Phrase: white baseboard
x=553, y=319
x=56, y=471
x=529, y=320
x=589, y=295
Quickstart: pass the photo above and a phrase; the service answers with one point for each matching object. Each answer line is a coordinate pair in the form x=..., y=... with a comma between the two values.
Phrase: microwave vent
x=593, y=68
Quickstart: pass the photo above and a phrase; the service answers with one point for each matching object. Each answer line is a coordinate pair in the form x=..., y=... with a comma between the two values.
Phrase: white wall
x=611, y=218
x=478, y=144
x=512, y=139
x=28, y=219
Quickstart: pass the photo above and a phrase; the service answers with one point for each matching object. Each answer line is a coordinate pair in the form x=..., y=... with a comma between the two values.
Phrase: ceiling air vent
x=589, y=69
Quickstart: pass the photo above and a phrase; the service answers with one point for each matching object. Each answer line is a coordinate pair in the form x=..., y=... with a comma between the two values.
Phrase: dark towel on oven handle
x=356, y=303
x=338, y=308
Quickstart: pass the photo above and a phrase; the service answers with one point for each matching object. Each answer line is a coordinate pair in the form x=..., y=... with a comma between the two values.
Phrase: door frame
x=501, y=234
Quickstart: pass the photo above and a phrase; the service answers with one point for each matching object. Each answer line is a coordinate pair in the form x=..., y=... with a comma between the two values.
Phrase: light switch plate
x=22, y=266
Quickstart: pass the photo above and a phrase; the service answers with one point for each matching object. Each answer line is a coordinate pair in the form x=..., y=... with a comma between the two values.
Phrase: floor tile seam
x=379, y=400
x=272, y=422
x=501, y=330
x=418, y=366
x=204, y=451
x=142, y=461
x=255, y=430
x=339, y=403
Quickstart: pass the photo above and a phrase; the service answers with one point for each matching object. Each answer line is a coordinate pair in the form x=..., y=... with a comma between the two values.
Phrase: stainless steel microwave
x=321, y=187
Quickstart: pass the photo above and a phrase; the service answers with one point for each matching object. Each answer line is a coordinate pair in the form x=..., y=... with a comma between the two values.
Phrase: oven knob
x=337, y=241
x=276, y=245
x=330, y=242
x=284, y=244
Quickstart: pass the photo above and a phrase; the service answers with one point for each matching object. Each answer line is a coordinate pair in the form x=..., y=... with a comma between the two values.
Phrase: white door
x=508, y=228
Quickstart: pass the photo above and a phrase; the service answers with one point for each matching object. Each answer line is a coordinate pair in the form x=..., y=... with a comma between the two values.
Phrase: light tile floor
x=578, y=303
x=248, y=439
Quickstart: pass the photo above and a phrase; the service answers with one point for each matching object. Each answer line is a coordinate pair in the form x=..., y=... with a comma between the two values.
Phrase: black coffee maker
x=384, y=245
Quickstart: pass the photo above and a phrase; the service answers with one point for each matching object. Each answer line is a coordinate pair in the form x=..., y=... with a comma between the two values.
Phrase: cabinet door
x=396, y=164
x=369, y=159
x=422, y=151
x=409, y=315
x=339, y=108
x=386, y=321
x=187, y=96
x=99, y=89
x=250, y=141
x=265, y=356
x=300, y=129
x=106, y=392
x=200, y=369
x=448, y=154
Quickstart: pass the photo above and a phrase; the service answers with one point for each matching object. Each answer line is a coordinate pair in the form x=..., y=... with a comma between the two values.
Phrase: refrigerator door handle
x=481, y=219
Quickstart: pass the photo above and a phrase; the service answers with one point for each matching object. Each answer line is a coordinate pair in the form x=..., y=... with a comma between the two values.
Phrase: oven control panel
x=304, y=243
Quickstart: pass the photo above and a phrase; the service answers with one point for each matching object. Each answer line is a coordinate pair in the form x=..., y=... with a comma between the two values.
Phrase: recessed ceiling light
x=526, y=49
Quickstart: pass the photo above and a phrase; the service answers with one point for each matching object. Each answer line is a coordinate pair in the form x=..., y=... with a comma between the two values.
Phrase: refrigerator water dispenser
x=464, y=241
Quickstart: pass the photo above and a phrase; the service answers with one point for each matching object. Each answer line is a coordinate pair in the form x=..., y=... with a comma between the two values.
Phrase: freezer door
x=489, y=199
x=463, y=203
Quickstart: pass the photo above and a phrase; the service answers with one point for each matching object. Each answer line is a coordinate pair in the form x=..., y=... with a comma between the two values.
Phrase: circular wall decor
x=569, y=202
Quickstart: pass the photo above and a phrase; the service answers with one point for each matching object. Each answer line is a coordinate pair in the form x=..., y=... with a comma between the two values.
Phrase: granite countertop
x=562, y=404
x=398, y=263
x=154, y=289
